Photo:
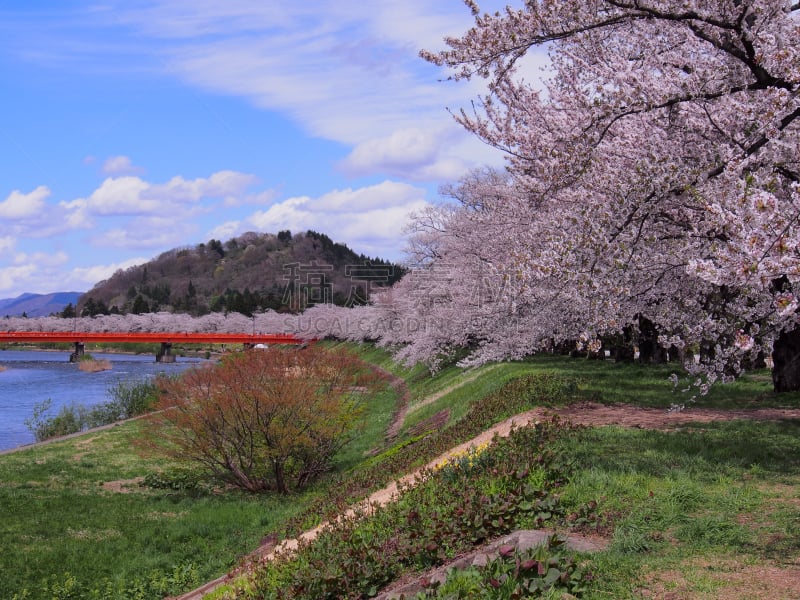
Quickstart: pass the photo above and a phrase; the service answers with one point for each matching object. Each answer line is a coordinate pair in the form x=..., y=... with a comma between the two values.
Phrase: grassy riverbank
x=76, y=517
x=78, y=524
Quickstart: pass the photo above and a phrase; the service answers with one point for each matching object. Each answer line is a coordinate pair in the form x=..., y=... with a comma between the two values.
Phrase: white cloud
x=226, y=231
x=370, y=219
x=316, y=77
x=31, y=216
x=133, y=196
x=436, y=154
x=38, y=272
x=289, y=213
x=120, y=196
x=42, y=259
x=406, y=149
x=223, y=184
x=342, y=71
x=41, y=273
x=132, y=213
x=264, y=198
x=7, y=243
x=120, y=165
x=19, y=206
x=386, y=195
x=87, y=277
x=145, y=232
x=11, y=277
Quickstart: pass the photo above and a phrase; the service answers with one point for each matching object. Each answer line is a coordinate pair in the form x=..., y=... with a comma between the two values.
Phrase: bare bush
x=264, y=420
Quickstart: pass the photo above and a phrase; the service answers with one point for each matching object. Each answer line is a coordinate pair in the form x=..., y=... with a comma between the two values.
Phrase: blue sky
x=131, y=127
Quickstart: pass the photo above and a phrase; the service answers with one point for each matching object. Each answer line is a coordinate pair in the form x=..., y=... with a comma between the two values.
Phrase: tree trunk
x=650, y=351
x=280, y=476
x=786, y=356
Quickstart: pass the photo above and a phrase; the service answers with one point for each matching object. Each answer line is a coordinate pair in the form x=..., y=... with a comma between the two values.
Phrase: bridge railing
x=149, y=337
x=166, y=340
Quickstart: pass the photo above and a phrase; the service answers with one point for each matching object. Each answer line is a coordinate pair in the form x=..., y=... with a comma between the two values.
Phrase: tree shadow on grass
x=708, y=450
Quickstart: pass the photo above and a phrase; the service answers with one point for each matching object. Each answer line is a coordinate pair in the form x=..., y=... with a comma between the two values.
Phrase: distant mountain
x=252, y=272
x=38, y=305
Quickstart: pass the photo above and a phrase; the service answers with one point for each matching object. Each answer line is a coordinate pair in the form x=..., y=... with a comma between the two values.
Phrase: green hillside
x=252, y=272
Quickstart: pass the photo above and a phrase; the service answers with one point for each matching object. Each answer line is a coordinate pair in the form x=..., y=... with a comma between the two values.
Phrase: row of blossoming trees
x=655, y=176
x=652, y=178
x=267, y=322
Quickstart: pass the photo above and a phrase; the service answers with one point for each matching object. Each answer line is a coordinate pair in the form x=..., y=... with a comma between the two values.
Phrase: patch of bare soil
x=85, y=442
x=431, y=424
x=402, y=403
x=723, y=580
x=123, y=486
x=82, y=445
x=594, y=414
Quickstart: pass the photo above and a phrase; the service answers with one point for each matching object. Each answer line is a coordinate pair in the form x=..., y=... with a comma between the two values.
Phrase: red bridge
x=80, y=338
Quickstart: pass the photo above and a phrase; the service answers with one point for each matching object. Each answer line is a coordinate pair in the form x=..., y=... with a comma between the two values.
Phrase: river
x=28, y=378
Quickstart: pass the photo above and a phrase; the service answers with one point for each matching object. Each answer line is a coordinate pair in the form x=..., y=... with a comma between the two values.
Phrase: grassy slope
x=64, y=520
x=60, y=518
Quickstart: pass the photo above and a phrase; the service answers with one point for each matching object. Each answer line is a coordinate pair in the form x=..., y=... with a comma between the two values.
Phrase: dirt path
x=582, y=413
x=461, y=382
x=591, y=413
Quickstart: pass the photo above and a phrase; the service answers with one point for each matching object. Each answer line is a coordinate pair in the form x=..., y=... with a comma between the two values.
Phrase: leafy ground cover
x=471, y=499
x=699, y=513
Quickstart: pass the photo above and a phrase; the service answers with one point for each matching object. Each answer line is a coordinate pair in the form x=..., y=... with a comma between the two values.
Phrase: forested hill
x=252, y=272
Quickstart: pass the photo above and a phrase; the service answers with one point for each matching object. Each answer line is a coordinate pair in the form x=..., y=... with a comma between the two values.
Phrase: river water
x=32, y=377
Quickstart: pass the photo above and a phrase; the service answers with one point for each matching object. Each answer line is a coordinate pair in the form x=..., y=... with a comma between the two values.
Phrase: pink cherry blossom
x=654, y=173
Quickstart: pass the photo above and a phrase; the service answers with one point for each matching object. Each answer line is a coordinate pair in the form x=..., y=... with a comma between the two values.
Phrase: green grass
x=379, y=411
x=684, y=499
x=723, y=489
x=59, y=518
x=650, y=386
x=707, y=450
x=63, y=530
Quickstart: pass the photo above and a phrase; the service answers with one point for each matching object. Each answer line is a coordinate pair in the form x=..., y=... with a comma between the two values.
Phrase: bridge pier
x=80, y=350
x=165, y=353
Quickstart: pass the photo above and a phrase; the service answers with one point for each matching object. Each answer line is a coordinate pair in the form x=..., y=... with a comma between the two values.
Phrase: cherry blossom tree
x=654, y=173
x=476, y=283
